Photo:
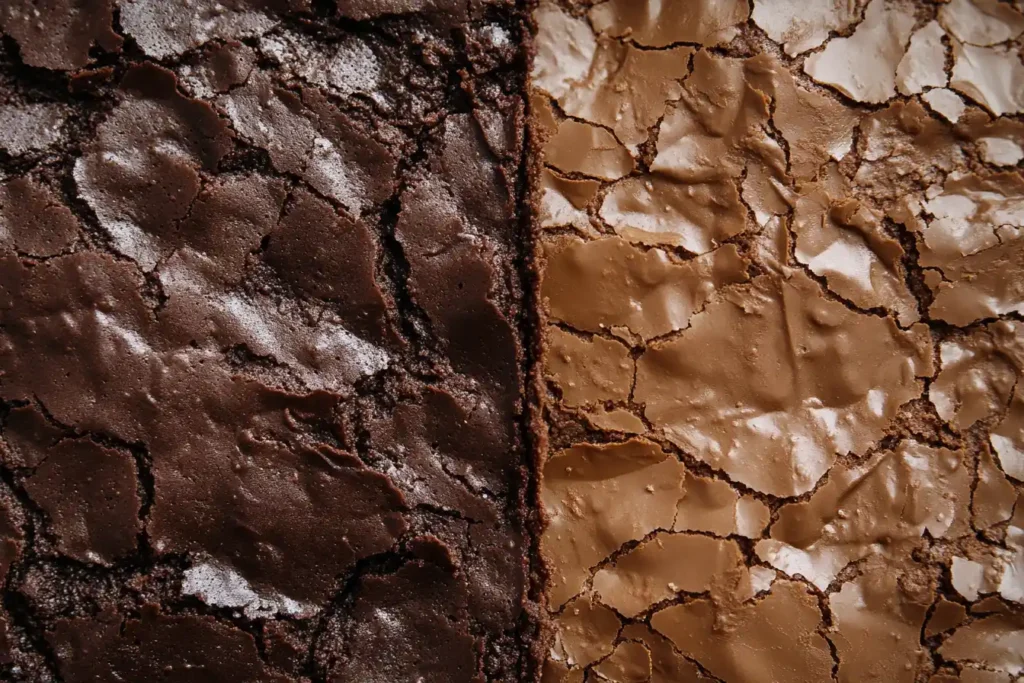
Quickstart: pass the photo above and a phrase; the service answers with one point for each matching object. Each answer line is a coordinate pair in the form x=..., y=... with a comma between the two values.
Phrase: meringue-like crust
x=783, y=353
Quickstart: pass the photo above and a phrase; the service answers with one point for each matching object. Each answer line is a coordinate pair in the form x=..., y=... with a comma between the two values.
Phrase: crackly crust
x=809, y=253
x=262, y=267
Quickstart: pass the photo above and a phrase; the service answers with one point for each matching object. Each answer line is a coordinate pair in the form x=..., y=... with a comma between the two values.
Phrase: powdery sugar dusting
x=30, y=127
x=221, y=586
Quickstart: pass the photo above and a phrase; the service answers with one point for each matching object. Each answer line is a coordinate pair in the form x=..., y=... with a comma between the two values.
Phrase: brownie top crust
x=260, y=341
x=438, y=341
x=781, y=261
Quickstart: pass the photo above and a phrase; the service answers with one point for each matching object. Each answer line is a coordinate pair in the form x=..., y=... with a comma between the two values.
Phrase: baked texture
x=261, y=283
x=291, y=295
x=781, y=282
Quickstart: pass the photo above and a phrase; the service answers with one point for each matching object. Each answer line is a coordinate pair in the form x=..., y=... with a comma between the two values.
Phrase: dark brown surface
x=260, y=342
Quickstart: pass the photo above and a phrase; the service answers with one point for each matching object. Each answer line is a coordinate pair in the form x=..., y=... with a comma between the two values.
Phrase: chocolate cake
x=570, y=341
x=781, y=255
x=262, y=354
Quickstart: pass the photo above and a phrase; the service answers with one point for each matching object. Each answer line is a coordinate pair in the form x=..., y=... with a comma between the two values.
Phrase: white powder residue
x=130, y=339
x=194, y=82
x=292, y=50
x=30, y=127
x=252, y=324
x=328, y=172
x=325, y=356
x=352, y=68
x=497, y=35
x=222, y=586
x=164, y=28
x=363, y=356
x=388, y=620
x=128, y=237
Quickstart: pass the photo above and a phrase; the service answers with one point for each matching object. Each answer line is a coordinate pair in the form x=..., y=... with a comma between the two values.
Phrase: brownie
x=781, y=280
x=262, y=359
x=438, y=341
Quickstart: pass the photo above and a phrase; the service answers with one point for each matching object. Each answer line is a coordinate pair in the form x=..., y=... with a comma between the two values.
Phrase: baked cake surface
x=260, y=357
x=782, y=286
x=438, y=341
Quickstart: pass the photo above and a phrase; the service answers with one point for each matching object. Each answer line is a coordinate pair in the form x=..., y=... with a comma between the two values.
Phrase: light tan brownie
x=781, y=251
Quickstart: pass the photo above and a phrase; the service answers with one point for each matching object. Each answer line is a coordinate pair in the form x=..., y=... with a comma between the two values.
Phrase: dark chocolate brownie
x=261, y=323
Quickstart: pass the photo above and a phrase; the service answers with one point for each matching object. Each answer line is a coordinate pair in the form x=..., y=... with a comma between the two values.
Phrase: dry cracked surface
x=781, y=257
x=266, y=322
x=261, y=407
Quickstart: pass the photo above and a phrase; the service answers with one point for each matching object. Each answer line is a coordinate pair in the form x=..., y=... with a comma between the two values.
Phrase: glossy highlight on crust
x=781, y=340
